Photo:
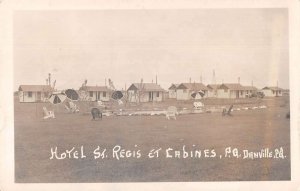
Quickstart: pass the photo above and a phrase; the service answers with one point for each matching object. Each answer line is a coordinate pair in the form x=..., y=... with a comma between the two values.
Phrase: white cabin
x=34, y=93
x=272, y=91
x=96, y=93
x=231, y=90
x=172, y=91
x=185, y=90
x=145, y=92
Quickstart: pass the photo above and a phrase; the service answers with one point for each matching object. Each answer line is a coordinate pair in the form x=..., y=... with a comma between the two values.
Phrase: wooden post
x=36, y=110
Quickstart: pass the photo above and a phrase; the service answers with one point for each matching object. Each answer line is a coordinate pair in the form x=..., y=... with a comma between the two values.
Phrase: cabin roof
x=95, y=88
x=146, y=87
x=35, y=88
x=192, y=86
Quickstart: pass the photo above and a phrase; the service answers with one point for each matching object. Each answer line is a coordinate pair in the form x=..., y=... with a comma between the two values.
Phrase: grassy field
x=248, y=129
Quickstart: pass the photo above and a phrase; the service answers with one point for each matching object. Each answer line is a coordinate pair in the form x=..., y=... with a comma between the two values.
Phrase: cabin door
x=150, y=96
x=38, y=96
x=98, y=95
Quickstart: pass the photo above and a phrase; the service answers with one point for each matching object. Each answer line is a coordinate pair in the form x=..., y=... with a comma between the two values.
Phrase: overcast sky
x=127, y=45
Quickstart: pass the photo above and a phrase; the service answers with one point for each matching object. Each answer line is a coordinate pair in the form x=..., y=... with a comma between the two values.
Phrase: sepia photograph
x=157, y=95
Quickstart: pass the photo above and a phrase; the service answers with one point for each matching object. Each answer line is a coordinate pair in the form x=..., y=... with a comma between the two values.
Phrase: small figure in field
x=96, y=113
x=225, y=112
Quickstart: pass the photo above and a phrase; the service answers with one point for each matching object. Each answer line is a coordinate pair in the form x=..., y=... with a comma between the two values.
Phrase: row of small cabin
x=148, y=92
x=183, y=91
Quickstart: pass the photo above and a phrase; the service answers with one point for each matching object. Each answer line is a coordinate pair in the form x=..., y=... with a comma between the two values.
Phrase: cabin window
x=29, y=94
x=104, y=94
x=226, y=90
x=279, y=92
x=241, y=92
x=91, y=94
x=273, y=91
x=157, y=94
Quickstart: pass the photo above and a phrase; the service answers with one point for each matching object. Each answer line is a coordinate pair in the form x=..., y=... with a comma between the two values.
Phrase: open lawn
x=247, y=129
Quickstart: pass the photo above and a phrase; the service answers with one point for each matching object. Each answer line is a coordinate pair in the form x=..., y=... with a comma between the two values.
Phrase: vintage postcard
x=152, y=95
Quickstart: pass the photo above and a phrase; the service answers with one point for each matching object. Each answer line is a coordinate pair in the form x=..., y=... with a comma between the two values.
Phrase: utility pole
x=49, y=77
x=214, y=77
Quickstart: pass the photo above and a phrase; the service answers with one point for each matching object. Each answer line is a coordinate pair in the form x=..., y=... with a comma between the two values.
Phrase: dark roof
x=35, y=88
x=192, y=86
x=173, y=86
x=213, y=86
x=232, y=86
x=272, y=88
x=146, y=87
x=95, y=88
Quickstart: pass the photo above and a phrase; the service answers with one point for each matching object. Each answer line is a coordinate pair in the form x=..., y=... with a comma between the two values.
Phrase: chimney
x=49, y=79
x=214, y=77
x=46, y=81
